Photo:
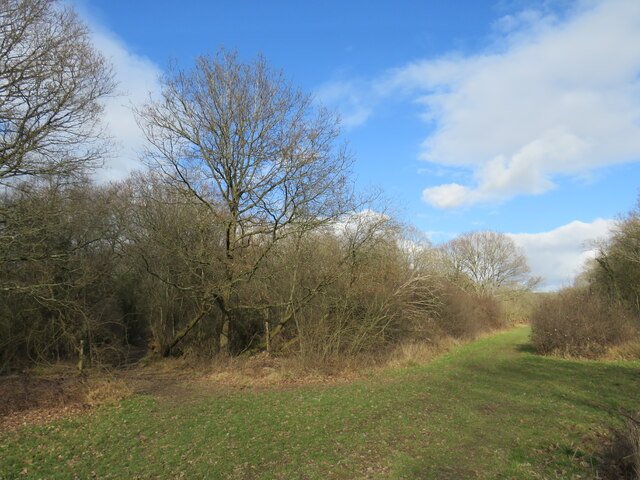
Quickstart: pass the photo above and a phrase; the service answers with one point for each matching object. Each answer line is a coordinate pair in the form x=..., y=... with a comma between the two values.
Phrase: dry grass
x=410, y=354
x=627, y=351
x=41, y=396
x=49, y=394
x=264, y=370
x=107, y=389
x=237, y=372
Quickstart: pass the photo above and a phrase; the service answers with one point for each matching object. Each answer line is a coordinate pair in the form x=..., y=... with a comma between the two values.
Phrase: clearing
x=490, y=409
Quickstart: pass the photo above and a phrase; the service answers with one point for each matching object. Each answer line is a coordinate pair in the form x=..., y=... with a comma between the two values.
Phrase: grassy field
x=490, y=409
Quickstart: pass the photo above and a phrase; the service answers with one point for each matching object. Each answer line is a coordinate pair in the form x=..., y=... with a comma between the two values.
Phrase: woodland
x=246, y=239
x=245, y=232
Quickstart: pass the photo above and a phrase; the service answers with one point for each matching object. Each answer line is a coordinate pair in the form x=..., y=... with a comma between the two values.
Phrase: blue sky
x=516, y=116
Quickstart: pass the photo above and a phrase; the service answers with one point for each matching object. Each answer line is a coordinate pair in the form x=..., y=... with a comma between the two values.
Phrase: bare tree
x=616, y=269
x=491, y=260
x=58, y=272
x=242, y=141
x=51, y=84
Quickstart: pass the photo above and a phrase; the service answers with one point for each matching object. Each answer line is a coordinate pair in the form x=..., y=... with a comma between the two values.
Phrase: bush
x=465, y=315
x=578, y=322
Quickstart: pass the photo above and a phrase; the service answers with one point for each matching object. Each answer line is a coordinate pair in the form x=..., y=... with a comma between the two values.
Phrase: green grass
x=490, y=409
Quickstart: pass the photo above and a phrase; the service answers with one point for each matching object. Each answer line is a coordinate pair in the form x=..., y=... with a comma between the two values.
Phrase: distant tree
x=51, y=84
x=616, y=270
x=240, y=140
x=491, y=260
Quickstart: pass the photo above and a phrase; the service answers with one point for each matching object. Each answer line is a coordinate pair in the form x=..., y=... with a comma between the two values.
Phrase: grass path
x=488, y=410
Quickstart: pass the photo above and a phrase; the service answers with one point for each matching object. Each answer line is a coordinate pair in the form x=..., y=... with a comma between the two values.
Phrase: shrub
x=465, y=315
x=579, y=322
x=517, y=308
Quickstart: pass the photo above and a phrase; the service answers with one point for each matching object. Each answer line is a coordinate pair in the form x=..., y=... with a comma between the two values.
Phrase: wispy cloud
x=137, y=77
x=560, y=254
x=351, y=99
x=553, y=98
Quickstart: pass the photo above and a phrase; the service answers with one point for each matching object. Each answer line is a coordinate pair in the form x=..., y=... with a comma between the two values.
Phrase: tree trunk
x=204, y=310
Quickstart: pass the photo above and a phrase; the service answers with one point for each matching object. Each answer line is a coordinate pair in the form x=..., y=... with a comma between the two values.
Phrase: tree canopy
x=491, y=260
x=52, y=81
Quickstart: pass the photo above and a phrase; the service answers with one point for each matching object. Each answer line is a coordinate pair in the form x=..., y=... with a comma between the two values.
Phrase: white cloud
x=559, y=255
x=349, y=98
x=559, y=98
x=361, y=223
x=137, y=77
x=450, y=195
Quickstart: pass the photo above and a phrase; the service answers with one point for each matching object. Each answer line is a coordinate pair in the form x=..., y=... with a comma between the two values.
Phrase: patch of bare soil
x=27, y=399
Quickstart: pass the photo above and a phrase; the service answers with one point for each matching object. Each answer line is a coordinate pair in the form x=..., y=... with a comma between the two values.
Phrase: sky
x=519, y=116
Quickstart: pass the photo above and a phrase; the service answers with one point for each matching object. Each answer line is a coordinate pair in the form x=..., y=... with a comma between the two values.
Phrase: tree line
x=600, y=314
x=245, y=233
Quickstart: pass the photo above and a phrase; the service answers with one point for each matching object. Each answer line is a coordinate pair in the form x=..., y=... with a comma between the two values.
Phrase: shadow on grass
x=542, y=414
x=525, y=348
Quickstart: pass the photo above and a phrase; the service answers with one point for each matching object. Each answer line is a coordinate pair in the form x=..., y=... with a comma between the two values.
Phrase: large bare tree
x=491, y=260
x=51, y=83
x=239, y=139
